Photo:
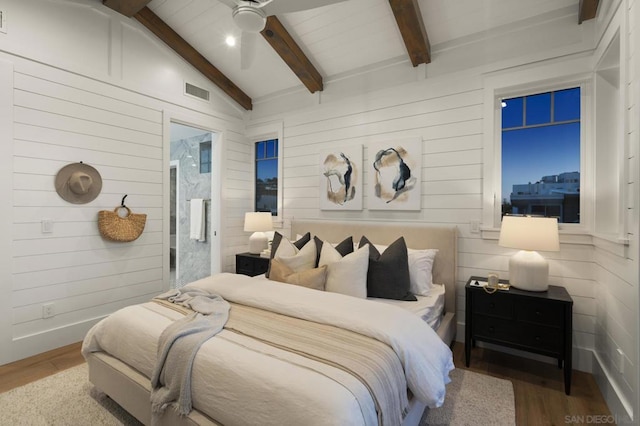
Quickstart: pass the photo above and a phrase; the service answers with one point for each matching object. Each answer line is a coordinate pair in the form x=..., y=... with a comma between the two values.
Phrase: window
x=205, y=157
x=541, y=155
x=267, y=176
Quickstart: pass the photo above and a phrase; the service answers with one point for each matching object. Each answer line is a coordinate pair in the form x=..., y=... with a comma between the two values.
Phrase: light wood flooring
x=538, y=386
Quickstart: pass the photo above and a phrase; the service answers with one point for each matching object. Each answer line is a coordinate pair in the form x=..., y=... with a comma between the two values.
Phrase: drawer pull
x=538, y=339
x=538, y=313
x=492, y=305
x=491, y=329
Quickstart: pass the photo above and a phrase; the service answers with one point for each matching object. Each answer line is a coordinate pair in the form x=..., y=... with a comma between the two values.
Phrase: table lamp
x=528, y=270
x=258, y=223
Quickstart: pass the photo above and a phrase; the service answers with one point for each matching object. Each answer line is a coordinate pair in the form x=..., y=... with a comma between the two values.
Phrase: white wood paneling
x=59, y=112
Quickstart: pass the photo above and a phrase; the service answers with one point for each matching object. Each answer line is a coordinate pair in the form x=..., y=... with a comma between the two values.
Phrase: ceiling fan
x=251, y=17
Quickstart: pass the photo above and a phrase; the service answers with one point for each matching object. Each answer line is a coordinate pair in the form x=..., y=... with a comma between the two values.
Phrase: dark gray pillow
x=344, y=248
x=277, y=237
x=388, y=275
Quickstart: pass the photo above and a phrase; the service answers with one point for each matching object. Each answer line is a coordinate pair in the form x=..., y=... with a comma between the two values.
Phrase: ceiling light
x=230, y=40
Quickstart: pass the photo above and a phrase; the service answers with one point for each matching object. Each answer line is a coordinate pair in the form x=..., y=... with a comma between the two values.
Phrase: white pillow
x=420, y=268
x=346, y=275
x=297, y=260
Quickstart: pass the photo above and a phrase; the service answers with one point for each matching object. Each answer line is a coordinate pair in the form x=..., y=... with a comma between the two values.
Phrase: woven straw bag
x=116, y=228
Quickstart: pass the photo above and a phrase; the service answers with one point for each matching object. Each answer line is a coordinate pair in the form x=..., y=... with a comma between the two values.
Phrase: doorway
x=190, y=207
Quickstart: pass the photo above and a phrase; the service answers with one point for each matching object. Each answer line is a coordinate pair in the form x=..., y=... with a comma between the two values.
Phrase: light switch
x=47, y=226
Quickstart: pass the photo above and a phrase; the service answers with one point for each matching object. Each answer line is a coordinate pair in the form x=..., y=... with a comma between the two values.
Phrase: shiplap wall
x=446, y=113
x=63, y=109
x=616, y=270
x=443, y=107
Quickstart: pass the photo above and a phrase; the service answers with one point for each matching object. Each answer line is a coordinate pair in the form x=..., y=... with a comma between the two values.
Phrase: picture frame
x=394, y=174
x=340, y=178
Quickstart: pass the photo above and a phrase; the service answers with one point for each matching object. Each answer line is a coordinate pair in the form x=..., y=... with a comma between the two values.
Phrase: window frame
x=256, y=161
x=262, y=132
x=550, y=123
x=529, y=82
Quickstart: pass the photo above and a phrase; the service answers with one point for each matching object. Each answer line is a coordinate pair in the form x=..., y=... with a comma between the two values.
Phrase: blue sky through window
x=546, y=148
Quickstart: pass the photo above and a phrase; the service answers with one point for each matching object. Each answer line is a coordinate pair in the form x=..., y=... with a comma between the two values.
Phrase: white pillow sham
x=420, y=268
x=294, y=258
x=348, y=274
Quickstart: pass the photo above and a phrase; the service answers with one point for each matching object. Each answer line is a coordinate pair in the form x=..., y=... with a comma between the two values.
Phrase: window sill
x=569, y=236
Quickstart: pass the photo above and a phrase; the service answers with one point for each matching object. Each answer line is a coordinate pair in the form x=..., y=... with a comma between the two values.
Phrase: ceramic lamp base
x=528, y=270
x=258, y=241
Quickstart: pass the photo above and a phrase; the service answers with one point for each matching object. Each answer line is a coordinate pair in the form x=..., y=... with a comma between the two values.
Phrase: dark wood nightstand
x=251, y=264
x=537, y=322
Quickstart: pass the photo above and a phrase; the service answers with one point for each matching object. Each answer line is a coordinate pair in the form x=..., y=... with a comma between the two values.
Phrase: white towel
x=197, y=219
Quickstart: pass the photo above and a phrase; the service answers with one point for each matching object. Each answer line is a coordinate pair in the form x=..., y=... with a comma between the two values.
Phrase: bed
x=270, y=386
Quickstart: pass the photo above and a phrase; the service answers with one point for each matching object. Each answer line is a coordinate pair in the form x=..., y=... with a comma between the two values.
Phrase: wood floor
x=538, y=386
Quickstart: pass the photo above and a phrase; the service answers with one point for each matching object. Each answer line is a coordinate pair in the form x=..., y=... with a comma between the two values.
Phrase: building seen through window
x=267, y=176
x=541, y=155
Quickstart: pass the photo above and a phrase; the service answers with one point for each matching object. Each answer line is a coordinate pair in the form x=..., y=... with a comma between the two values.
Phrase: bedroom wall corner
x=616, y=265
x=6, y=186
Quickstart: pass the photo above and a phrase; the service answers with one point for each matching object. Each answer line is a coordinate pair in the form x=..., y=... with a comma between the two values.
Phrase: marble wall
x=193, y=257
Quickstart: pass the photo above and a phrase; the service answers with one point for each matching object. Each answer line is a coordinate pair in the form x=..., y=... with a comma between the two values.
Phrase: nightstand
x=251, y=264
x=536, y=322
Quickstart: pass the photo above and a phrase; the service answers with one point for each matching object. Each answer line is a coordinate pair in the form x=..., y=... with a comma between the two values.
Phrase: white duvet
x=237, y=379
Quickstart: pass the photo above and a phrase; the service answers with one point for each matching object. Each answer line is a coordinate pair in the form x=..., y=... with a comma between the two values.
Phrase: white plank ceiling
x=342, y=38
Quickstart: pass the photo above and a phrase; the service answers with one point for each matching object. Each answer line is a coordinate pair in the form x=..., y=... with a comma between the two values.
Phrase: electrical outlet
x=474, y=226
x=47, y=310
x=46, y=226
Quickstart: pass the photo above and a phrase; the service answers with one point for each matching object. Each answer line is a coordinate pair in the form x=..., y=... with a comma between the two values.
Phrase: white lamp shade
x=528, y=270
x=529, y=233
x=258, y=222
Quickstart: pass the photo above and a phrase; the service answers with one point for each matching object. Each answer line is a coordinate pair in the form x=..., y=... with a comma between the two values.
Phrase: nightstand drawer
x=244, y=263
x=251, y=264
x=540, y=312
x=495, y=305
x=493, y=328
x=541, y=338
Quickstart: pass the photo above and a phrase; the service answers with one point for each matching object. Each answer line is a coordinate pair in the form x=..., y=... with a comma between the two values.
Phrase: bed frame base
x=132, y=391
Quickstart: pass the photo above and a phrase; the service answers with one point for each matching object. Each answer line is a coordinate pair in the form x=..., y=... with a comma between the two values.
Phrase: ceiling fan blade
x=286, y=6
x=248, y=43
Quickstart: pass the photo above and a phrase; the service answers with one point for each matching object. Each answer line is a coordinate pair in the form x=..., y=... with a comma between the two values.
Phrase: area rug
x=67, y=398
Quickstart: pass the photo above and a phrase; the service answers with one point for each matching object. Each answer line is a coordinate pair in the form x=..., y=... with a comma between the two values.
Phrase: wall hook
x=122, y=202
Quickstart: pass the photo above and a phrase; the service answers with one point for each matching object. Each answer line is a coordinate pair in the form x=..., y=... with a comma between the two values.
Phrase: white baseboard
x=621, y=409
x=24, y=347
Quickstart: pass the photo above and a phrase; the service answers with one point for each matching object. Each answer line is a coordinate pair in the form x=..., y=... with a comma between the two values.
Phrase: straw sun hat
x=78, y=183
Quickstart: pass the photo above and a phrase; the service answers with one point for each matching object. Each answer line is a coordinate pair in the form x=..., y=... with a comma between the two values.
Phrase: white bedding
x=430, y=308
x=305, y=392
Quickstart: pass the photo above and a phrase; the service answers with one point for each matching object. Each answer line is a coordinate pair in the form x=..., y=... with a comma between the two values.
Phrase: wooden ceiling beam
x=414, y=33
x=165, y=33
x=285, y=46
x=127, y=8
x=587, y=10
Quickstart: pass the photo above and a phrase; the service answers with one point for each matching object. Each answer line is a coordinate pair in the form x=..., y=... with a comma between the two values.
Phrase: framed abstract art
x=341, y=178
x=394, y=174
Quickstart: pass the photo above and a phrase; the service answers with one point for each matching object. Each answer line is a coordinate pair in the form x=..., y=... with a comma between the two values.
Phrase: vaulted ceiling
x=306, y=47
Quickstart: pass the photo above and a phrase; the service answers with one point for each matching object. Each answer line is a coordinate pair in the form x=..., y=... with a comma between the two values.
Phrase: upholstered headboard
x=416, y=235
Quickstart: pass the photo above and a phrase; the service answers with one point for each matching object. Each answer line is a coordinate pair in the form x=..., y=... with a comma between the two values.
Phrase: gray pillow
x=388, y=275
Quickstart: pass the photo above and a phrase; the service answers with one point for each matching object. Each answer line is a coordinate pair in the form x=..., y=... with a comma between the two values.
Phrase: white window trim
x=262, y=132
x=532, y=80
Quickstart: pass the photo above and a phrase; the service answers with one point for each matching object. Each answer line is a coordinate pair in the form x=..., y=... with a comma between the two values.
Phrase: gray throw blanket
x=179, y=343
